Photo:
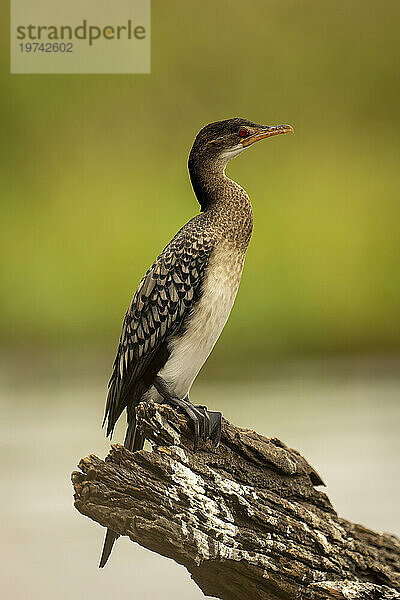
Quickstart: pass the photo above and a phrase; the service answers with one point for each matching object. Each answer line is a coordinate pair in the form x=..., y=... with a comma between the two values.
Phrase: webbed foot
x=207, y=424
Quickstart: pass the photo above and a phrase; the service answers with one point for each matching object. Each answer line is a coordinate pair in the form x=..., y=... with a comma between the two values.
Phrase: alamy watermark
x=52, y=36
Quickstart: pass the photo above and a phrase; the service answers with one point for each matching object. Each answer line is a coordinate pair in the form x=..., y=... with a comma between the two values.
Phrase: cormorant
x=184, y=300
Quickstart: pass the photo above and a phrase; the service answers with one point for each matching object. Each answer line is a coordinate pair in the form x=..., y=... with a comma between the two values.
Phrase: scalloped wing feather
x=164, y=298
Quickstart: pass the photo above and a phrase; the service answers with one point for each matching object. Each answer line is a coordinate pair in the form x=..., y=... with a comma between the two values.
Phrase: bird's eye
x=243, y=132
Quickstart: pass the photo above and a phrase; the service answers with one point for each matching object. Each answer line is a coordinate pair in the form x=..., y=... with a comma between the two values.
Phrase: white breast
x=190, y=351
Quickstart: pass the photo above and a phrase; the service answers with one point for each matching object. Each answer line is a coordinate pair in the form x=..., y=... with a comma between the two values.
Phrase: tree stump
x=245, y=519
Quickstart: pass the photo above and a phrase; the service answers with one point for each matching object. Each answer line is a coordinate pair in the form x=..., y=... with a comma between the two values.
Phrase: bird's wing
x=165, y=296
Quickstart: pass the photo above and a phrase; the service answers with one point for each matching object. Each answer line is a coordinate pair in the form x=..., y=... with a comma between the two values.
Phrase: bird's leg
x=206, y=424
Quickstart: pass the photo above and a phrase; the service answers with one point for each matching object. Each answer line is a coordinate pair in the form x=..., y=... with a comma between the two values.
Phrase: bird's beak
x=264, y=132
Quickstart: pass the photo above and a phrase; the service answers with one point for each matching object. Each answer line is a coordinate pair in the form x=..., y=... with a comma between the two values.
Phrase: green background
x=94, y=183
x=94, y=178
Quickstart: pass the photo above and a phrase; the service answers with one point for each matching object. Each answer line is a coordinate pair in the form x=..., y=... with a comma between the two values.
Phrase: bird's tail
x=109, y=541
x=133, y=441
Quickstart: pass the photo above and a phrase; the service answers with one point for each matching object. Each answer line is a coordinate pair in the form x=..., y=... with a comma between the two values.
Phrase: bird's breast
x=190, y=348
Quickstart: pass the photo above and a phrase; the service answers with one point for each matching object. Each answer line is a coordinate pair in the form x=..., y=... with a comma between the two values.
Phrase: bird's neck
x=224, y=201
x=212, y=187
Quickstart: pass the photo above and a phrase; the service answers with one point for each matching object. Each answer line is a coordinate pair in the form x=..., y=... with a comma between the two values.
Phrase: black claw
x=207, y=426
x=200, y=423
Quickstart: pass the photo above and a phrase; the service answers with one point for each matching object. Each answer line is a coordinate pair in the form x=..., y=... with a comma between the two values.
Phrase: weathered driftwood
x=245, y=519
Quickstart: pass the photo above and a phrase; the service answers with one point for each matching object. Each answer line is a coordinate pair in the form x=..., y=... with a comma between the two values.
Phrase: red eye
x=243, y=132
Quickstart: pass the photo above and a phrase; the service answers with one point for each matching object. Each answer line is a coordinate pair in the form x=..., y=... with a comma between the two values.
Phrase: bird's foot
x=215, y=424
x=207, y=424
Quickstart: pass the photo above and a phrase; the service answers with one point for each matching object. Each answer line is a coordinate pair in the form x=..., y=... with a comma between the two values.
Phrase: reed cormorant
x=184, y=300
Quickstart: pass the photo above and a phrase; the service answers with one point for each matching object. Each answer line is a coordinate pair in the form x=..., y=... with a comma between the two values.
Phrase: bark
x=246, y=519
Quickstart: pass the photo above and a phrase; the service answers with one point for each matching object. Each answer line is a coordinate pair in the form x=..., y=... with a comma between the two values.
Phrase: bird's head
x=219, y=142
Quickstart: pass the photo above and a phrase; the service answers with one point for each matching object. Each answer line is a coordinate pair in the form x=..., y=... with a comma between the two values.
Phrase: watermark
x=85, y=36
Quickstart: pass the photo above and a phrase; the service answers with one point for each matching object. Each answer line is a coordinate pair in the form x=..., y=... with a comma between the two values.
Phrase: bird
x=184, y=300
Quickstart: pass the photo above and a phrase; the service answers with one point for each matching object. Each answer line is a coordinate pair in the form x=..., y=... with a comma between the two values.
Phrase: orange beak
x=265, y=132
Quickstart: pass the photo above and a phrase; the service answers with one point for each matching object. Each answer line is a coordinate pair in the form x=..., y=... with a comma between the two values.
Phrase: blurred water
x=347, y=428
